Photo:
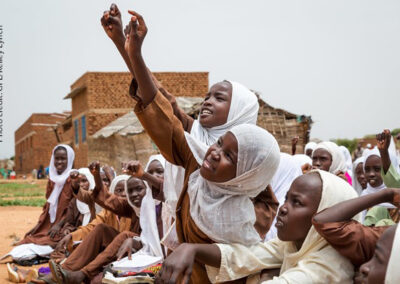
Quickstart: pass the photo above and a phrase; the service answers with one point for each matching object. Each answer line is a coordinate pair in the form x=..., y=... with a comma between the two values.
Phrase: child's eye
x=296, y=202
x=229, y=157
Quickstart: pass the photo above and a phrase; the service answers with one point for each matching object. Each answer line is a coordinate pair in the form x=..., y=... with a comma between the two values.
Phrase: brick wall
x=34, y=142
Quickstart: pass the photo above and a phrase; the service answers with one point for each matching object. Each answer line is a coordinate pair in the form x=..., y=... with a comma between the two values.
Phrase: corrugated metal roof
x=130, y=125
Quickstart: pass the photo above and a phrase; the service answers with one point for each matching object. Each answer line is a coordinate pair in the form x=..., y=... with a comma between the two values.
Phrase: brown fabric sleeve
x=165, y=130
x=83, y=231
x=351, y=239
x=109, y=201
x=266, y=206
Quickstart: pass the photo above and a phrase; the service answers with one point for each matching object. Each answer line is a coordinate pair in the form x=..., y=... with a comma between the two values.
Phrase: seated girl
x=226, y=104
x=298, y=255
x=58, y=194
x=105, y=244
x=327, y=156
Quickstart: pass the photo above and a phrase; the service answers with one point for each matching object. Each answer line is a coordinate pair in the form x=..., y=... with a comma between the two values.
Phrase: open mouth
x=279, y=223
x=207, y=165
x=205, y=112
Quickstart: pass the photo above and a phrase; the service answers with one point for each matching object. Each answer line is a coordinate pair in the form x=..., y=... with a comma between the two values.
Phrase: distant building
x=102, y=126
x=35, y=139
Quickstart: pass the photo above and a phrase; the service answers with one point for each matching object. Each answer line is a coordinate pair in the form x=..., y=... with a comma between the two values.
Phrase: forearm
x=208, y=254
x=385, y=160
x=147, y=88
x=155, y=184
x=119, y=43
x=348, y=209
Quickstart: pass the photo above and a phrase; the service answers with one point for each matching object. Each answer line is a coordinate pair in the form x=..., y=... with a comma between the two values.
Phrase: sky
x=338, y=61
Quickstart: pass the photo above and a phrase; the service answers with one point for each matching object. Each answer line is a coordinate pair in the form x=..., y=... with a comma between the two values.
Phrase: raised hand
x=94, y=168
x=74, y=176
x=383, y=140
x=135, y=34
x=133, y=168
x=295, y=140
x=112, y=24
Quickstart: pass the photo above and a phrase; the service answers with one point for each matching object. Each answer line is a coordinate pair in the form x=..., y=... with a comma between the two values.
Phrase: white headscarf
x=302, y=159
x=370, y=189
x=148, y=223
x=243, y=109
x=224, y=211
x=157, y=157
x=315, y=262
x=289, y=169
x=393, y=155
x=393, y=272
x=338, y=160
x=356, y=185
x=310, y=145
x=349, y=161
x=59, y=180
x=116, y=180
x=82, y=206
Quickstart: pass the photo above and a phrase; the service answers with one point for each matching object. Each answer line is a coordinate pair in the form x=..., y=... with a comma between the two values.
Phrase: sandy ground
x=15, y=221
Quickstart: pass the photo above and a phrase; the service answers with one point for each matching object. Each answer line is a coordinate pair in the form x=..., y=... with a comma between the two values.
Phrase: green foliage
x=350, y=144
x=11, y=193
x=35, y=202
x=395, y=131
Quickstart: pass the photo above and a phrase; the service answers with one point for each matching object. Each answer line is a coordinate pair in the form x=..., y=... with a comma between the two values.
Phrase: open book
x=137, y=263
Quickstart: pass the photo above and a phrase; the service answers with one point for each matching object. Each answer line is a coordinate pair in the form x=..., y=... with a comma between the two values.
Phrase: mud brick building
x=35, y=139
x=99, y=98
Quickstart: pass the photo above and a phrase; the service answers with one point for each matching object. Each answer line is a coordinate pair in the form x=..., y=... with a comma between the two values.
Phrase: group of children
x=220, y=203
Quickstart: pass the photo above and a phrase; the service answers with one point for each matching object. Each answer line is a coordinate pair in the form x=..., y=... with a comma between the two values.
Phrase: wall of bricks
x=34, y=143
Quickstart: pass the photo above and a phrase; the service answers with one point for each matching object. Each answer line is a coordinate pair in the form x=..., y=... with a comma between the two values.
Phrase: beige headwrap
x=315, y=262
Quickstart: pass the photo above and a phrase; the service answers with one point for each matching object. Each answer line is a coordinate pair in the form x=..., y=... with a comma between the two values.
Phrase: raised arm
x=105, y=199
x=383, y=143
x=346, y=210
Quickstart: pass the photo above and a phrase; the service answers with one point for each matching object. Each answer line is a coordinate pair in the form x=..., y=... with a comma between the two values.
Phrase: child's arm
x=133, y=46
x=134, y=168
x=383, y=143
x=346, y=210
x=105, y=199
x=180, y=262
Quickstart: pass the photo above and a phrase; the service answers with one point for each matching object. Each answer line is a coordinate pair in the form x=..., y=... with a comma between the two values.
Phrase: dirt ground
x=15, y=221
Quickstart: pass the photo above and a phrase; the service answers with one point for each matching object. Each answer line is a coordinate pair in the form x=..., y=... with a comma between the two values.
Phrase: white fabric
x=82, y=206
x=29, y=251
x=315, y=262
x=348, y=159
x=243, y=109
x=152, y=158
x=394, y=159
x=310, y=145
x=370, y=189
x=338, y=160
x=288, y=170
x=356, y=185
x=148, y=223
x=302, y=159
x=393, y=271
x=116, y=180
x=224, y=211
x=59, y=180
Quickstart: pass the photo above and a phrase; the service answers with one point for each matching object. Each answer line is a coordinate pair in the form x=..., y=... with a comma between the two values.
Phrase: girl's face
x=220, y=162
x=60, y=160
x=374, y=271
x=136, y=191
x=322, y=160
x=360, y=176
x=83, y=182
x=156, y=169
x=119, y=189
x=294, y=216
x=105, y=180
x=373, y=167
x=215, y=108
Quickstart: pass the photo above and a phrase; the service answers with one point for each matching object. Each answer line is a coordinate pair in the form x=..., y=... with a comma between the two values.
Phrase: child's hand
x=135, y=34
x=295, y=140
x=74, y=176
x=133, y=168
x=112, y=23
x=396, y=197
x=383, y=140
x=94, y=168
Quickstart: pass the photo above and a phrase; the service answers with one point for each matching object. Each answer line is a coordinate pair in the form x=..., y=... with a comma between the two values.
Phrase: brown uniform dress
x=351, y=239
x=167, y=132
x=40, y=235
